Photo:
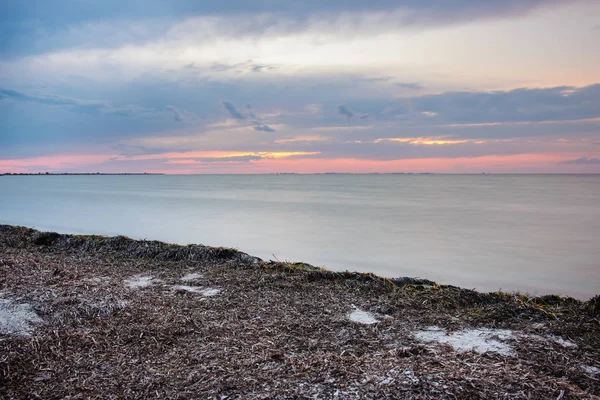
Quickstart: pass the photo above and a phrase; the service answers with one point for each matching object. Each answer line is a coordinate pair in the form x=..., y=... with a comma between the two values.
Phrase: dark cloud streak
x=176, y=114
x=263, y=128
x=583, y=161
x=232, y=110
x=410, y=85
x=50, y=99
x=343, y=110
x=77, y=105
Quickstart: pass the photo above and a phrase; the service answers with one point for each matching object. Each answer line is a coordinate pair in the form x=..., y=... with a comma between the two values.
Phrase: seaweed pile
x=120, y=318
x=21, y=237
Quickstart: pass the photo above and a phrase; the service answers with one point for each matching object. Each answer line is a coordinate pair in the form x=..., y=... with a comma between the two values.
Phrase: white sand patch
x=210, y=292
x=139, y=281
x=588, y=369
x=192, y=289
x=362, y=317
x=479, y=340
x=191, y=277
x=16, y=319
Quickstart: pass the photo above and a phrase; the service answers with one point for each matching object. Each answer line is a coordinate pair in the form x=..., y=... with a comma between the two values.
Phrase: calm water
x=534, y=233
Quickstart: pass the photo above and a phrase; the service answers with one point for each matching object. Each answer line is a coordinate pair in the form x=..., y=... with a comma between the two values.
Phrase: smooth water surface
x=533, y=233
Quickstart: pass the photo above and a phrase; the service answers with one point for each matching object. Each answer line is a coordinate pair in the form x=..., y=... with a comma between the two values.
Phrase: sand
x=17, y=318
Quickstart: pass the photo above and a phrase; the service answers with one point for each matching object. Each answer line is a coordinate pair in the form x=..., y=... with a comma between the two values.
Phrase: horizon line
x=288, y=173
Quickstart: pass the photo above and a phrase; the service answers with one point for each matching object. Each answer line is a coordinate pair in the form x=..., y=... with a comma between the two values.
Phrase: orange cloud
x=216, y=155
x=436, y=140
x=181, y=162
x=302, y=139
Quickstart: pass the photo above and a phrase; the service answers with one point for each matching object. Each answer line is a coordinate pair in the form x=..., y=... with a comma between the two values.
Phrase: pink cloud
x=178, y=164
x=543, y=163
x=181, y=162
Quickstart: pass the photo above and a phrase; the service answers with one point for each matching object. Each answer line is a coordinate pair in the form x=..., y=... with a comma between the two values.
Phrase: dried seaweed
x=275, y=330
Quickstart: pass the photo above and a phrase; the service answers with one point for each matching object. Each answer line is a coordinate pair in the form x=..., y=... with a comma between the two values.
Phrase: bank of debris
x=98, y=317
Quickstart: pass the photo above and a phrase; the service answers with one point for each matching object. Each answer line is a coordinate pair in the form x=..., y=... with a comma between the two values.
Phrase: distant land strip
x=80, y=173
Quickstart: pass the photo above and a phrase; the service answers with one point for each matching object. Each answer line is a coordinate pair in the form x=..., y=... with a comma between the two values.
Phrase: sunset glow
x=281, y=87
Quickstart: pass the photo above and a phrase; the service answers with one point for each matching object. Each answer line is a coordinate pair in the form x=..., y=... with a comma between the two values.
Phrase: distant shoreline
x=79, y=173
x=304, y=174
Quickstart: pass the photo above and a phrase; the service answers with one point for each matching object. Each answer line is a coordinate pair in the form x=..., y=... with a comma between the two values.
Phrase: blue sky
x=286, y=86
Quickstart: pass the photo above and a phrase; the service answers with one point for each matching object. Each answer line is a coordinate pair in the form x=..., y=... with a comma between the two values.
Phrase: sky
x=281, y=86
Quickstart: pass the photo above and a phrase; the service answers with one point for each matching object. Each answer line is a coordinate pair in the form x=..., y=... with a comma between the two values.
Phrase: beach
x=312, y=200
x=101, y=317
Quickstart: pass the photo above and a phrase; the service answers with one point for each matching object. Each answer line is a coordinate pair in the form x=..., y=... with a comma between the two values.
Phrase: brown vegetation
x=275, y=330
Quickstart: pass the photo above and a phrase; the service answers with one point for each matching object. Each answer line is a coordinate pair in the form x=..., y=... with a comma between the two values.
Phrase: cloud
x=343, y=110
x=425, y=98
x=301, y=139
x=428, y=141
x=261, y=68
x=377, y=79
x=232, y=159
x=239, y=68
x=215, y=156
x=218, y=46
x=57, y=100
x=78, y=105
x=246, y=158
x=218, y=67
x=518, y=105
x=42, y=25
x=264, y=128
x=232, y=110
x=176, y=114
x=249, y=115
x=583, y=161
x=409, y=85
x=114, y=8
x=475, y=115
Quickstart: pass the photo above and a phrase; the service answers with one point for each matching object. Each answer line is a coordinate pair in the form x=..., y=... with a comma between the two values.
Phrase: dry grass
x=275, y=331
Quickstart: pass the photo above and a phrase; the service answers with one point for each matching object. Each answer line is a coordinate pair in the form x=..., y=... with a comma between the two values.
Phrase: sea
x=535, y=234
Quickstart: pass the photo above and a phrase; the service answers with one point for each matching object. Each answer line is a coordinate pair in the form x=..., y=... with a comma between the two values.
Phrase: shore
x=99, y=317
x=75, y=173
